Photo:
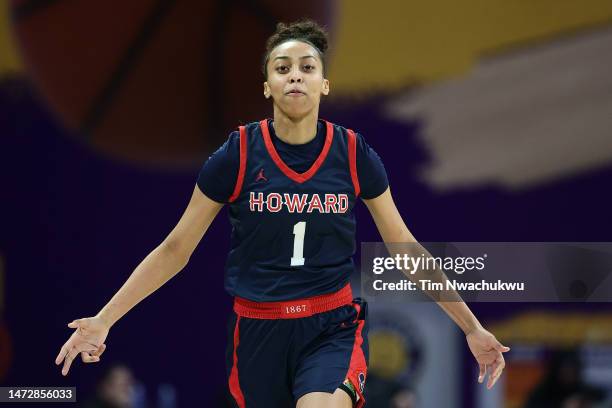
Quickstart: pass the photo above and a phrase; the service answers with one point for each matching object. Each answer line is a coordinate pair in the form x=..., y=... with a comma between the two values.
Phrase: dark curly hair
x=307, y=31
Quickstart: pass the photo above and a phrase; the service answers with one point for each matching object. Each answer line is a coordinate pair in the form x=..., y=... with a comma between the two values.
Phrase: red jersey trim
x=293, y=309
x=358, y=369
x=352, y=153
x=242, y=169
x=234, y=383
x=297, y=177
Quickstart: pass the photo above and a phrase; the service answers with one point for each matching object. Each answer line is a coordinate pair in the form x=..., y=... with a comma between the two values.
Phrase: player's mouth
x=295, y=92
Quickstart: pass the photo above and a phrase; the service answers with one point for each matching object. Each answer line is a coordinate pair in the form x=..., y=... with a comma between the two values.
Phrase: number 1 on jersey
x=299, y=231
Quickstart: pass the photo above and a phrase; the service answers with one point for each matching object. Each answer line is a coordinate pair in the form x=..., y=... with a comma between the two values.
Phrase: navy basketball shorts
x=279, y=351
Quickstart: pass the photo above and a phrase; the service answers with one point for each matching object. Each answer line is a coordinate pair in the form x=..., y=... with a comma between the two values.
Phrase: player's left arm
x=484, y=346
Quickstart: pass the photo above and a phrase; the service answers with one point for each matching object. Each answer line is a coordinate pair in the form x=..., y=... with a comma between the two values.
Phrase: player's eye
x=282, y=69
x=308, y=67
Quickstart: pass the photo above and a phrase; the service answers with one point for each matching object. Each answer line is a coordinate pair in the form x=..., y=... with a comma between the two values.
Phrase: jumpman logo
x=261, y=176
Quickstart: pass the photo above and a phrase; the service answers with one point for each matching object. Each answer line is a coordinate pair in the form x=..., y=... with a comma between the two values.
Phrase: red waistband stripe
x=293, y=309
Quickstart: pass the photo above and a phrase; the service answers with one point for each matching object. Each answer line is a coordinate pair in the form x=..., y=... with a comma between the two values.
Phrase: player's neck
x=295, y=131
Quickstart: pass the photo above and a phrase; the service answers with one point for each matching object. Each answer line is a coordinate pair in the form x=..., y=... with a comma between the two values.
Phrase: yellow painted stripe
x=9, y=58
x=391, y=43
x=555, y=329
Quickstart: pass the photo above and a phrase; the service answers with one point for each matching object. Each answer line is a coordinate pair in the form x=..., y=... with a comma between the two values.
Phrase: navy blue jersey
x=217, y=177
x=293, y=233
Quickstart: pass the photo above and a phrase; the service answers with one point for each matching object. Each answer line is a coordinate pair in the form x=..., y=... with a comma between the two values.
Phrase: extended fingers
x=73, y=352
x=496, y=371
x=68, y=360
x=63, y=352
x=68, y=345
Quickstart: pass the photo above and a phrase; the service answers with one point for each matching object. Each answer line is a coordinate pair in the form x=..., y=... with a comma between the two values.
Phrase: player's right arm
x=157, y=268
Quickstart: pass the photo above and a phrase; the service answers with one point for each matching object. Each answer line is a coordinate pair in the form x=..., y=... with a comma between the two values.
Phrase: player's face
x=295, y=78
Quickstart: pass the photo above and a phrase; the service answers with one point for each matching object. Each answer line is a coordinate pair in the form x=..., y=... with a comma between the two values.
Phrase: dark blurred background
x=493, y=119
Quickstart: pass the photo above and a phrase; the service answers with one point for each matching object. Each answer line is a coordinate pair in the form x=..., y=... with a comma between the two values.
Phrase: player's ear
x=267, y=92
x=325, y=89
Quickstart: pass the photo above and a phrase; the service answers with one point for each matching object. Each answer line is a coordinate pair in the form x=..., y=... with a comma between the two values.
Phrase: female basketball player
x=297, y=336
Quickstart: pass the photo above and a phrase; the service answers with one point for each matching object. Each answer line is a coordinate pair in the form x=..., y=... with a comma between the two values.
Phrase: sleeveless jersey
x=293, y=234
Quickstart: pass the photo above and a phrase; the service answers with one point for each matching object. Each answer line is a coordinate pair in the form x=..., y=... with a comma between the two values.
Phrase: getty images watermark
x=487, y=272
x=411, y=265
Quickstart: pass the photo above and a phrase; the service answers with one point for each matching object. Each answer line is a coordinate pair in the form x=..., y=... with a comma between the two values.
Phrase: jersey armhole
x=352, y=155
x=242, y=168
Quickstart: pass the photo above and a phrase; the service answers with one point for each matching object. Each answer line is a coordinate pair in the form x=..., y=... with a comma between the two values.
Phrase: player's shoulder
x=338, y=128
x=345, y=132
x=229, y=148
x=233, y=141
x=251, y=127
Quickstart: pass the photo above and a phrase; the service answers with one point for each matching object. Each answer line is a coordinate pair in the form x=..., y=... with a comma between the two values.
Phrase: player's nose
x=296, y=76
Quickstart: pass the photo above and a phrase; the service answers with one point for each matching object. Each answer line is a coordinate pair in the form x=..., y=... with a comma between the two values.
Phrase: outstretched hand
x=487, y=351
x=87, y=340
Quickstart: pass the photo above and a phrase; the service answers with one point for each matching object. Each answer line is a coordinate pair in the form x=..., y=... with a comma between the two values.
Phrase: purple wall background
x=74, y=225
